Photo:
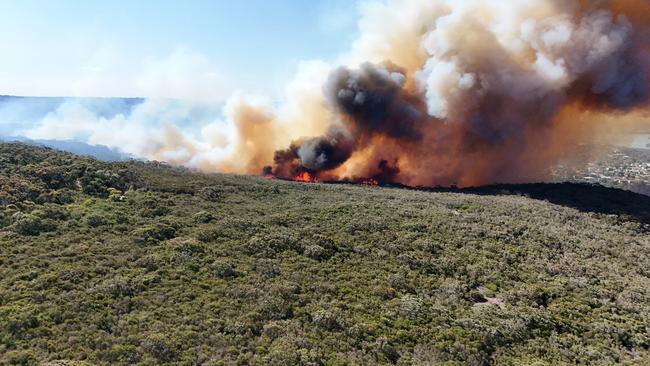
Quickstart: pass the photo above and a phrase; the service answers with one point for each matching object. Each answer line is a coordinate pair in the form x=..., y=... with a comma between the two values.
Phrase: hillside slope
x=120, y=263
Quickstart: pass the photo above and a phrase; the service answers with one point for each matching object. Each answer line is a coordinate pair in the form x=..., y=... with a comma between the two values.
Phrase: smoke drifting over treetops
x=442, y=92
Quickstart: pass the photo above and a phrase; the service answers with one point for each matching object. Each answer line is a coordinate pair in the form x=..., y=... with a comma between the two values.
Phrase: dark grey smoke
x=621, y=82
x=370, y=101
x=374, y=99
x=319, y=153
x=328, y=151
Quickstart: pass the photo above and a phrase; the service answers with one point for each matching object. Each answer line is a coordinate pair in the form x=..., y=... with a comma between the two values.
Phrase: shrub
x=273, y=243
x=187, y=246
x=153, y=234
x=116, y=195
x=21, y=357
x=259, y=247
x=60, y=196
x=316, y=252
x=5, y=218
x=120, y=354
x=203, y=217
x=274, y=329
x=161, y=347
x=212, y=194
x=327, y=320
x=96, y=220
x=153, y=207
x=412, y=307
x=210, y=234
x=27, y=224
x=118, y=287
x=149, y=262
x=384, y=292
x=267, y=269
x=53, y=212
x=223, y=269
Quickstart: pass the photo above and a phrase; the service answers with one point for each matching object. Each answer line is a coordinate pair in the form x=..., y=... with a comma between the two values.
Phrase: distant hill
x=142, y=263
x=19, y=113
x=99, y=152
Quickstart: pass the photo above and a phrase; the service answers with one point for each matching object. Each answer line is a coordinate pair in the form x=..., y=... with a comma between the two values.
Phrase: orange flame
x=305, y=177
x=370, y=182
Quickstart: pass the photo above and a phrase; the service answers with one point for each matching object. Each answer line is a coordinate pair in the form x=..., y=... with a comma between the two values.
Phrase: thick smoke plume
x=437, y=92
x=491, y=91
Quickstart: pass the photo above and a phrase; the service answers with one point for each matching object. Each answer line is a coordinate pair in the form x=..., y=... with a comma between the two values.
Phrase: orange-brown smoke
x=456, y=92
x=485, y=93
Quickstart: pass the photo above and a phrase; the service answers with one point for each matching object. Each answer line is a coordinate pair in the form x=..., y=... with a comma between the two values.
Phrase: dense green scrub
x=119, y=263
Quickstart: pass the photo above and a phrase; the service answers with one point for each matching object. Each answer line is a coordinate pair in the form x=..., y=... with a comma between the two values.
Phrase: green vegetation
x=121, y=263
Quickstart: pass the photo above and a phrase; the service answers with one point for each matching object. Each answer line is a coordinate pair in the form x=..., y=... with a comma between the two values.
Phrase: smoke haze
x=456, y=92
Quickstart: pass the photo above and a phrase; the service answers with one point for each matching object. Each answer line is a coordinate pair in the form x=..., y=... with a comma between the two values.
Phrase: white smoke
x=490, y=67
x=168, y=130
x=527, y=56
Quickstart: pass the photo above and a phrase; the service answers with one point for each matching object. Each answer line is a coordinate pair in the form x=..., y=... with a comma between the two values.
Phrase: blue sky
x=164, y=48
